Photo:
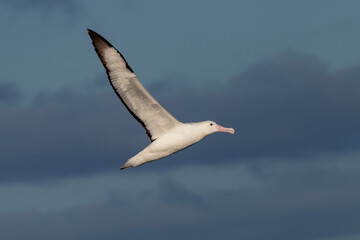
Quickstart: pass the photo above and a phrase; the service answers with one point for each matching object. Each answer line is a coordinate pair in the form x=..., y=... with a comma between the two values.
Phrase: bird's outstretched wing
x=151, y=115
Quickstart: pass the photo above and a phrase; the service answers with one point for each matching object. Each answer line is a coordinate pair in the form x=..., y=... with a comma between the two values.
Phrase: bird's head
x=210, y=127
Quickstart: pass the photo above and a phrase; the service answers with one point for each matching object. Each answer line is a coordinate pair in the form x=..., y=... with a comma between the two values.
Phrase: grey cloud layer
x=282, y=204
x=289, y=105
x=286, y=106
x=293, y=104
x=9, y=92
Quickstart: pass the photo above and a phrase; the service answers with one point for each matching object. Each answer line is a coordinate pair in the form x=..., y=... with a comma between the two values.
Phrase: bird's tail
x=135, y=161
x=126, y=165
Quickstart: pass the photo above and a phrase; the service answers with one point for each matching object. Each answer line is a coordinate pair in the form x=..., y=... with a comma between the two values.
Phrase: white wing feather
x=151, y=115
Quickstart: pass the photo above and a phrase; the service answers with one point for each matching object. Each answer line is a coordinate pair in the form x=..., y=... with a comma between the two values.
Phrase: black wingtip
x=100, y=42
x=95, y=36
x=90, y=31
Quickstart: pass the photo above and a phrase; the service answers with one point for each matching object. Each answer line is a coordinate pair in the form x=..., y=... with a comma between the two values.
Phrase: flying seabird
x=167, y=134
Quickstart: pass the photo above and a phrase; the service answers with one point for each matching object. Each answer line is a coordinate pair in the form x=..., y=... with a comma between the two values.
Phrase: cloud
x=177, y=193
x=9, y=92
x=286, y=106
x=58, y=136
x=303, y=107
x=282, y=203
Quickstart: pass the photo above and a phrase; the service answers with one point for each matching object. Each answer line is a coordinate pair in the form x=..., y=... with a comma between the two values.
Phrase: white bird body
x=168, y=135
x=177, y=139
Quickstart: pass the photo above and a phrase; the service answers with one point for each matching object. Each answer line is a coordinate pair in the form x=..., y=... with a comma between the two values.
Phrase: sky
x=284, y=74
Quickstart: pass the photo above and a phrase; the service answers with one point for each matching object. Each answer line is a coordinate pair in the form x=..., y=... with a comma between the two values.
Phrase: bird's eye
x=211, y=124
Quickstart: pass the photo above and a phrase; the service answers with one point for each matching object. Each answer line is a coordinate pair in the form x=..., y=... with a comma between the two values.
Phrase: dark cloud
x=9, y=92
x=294, y=105
x=281, y=209
x=287, y=106
x=60, y=135
x=176, y=193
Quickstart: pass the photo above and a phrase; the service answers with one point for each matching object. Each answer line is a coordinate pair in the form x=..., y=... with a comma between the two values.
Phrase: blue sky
x=284, y=74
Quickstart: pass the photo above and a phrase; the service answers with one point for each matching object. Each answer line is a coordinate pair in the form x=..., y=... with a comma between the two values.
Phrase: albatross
x=167, y=134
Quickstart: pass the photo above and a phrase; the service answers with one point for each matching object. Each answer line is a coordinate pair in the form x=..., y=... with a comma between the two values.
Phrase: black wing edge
x=100, y=43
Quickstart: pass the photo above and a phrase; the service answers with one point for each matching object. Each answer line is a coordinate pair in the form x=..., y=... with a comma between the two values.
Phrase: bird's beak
x=224, y=129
